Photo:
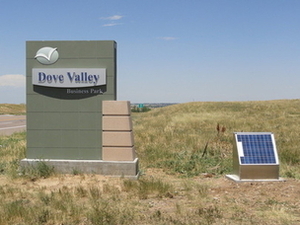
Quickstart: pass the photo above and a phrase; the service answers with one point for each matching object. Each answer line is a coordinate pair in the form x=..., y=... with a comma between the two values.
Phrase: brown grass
x=12, y=109
x=178, y=185
x=182, y=131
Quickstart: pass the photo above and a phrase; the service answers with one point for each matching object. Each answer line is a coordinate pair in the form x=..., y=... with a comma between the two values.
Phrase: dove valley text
x=73, y=77
x=69, y=77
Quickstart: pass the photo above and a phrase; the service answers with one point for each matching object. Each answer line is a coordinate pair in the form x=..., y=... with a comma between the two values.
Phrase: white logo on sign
x=47, y=55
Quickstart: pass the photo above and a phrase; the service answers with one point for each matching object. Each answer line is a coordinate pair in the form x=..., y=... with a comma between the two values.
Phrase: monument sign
x=67, y=83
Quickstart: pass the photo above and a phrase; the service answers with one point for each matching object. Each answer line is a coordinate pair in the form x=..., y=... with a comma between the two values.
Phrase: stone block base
x=118, y=153
x=127, y=169
x=117, y=139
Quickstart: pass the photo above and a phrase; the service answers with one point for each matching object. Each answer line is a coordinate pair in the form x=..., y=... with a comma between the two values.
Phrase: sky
x=168, y=51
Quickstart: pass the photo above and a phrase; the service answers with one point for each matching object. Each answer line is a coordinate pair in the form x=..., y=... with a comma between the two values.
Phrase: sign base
x=126, y=169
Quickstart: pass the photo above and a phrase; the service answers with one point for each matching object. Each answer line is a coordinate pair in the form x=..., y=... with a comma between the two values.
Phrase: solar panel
x=256, y=148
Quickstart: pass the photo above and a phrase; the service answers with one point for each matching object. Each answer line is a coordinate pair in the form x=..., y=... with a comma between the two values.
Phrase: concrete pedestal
x=127, y=169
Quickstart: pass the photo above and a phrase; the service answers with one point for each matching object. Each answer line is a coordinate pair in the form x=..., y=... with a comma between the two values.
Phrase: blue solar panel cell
x=257, y=149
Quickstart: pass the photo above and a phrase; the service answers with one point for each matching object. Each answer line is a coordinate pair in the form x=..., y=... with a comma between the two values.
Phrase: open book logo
x=47, y=55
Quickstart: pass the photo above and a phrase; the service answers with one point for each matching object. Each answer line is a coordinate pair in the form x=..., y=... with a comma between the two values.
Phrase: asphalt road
x=10, y=124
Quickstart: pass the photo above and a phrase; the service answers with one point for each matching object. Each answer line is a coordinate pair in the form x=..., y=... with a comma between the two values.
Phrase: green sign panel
x=66, y=84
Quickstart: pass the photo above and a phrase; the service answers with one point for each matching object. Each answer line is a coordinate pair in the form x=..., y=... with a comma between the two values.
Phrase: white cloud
x=111, y=24
x=12, y=80
x=114, y=17
x=168, y=38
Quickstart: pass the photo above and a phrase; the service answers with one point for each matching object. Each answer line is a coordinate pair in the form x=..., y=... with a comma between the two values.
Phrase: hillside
x=185, y=151
x=174, y=138
x=13, y=109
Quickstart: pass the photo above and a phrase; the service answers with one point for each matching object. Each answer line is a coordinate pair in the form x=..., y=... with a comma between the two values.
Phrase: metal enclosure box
x=255, y=158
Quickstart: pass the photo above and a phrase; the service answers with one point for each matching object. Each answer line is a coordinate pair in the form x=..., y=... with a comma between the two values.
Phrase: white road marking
x=6, y=128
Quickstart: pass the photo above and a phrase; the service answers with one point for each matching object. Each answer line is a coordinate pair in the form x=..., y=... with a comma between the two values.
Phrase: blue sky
x=168, y=50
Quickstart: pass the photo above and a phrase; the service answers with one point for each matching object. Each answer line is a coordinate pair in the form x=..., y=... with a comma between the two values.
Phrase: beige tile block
x=117, y=139
x=116, y=123
x=118, y=153
x=116, y=108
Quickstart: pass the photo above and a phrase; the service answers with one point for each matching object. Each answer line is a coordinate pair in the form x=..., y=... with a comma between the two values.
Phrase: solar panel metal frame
x=256, y=148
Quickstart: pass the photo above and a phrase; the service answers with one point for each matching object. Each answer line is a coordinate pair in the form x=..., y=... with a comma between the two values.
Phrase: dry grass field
x=14, y=109
x=185, y=151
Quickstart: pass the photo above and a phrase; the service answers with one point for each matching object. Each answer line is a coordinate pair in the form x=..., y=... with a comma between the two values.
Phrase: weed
x=38, y=170
x=46, y=199
x=102, y=214
x=94, y=193
x=202, y=189
x=178, y=208
x=75, y=171
x=145, y=187
x=110, y=189
x=209, y=214
x=81, y=192
x=43, y=216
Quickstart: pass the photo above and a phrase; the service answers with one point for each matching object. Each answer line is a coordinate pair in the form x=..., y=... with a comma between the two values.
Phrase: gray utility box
x=255, y=156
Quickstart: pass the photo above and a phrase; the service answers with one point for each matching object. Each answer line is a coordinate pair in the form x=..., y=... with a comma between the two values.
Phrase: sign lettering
x=69, y=78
